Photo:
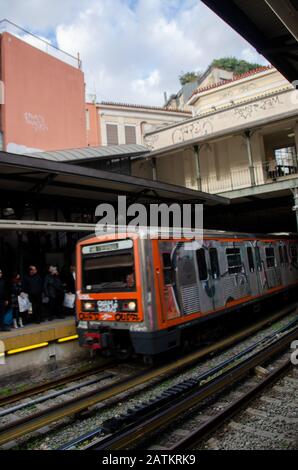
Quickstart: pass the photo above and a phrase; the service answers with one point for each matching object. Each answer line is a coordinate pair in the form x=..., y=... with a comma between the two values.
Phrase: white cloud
x=251, y=55
x=133, y=50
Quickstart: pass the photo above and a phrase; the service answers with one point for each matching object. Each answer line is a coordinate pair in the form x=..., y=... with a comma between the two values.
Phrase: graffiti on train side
x=191, y=131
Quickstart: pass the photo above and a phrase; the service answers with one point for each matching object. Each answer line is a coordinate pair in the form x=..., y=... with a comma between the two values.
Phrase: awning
x=86, y=154
x=271, y=26
x=19, y=173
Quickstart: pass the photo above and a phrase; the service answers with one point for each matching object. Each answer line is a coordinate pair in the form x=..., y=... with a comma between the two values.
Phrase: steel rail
x=28, y=424
x=209, y=426
x=56, y=394
x=136, y=432
x=44, y=387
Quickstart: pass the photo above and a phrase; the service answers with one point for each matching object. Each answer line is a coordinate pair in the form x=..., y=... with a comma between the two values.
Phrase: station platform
x=33, y=336
x=30, y=352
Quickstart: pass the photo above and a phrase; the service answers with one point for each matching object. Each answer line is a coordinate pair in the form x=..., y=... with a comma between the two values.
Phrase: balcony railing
x=239, y=178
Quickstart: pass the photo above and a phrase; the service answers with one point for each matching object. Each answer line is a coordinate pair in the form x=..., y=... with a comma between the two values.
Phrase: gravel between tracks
x=72, y=429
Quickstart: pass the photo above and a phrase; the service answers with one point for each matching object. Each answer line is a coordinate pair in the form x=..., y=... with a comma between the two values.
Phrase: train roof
x=190, y=234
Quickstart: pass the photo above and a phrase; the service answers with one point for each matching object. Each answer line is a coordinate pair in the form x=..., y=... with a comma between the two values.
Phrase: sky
x=132, y=51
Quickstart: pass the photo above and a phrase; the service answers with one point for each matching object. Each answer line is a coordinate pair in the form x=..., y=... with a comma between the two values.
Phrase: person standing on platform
x=16, y=291
x=70, y=287
x=53, y=289
x=33, y=286
x=4, y=300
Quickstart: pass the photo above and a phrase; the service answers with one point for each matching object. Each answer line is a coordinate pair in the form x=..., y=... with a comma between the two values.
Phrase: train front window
x=108, y=267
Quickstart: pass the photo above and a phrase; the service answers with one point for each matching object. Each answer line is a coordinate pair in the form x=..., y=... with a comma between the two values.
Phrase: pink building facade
x=44, y=100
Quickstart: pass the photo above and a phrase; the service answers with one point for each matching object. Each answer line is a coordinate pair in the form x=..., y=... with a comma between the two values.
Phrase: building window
x=250, y=257
x=130, y=135
x=214, y=263
x=112, y=134
x=286, y=160
x=201, y=260
x=234, y=260
x=270, y=257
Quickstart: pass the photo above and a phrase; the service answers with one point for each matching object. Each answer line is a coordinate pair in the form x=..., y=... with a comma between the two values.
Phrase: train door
x=261, y=273
x=166, y=279
x=272, y=266
x=282, y=264
x=293, y=265
x=234, y=281
x=205, y=280
x=251, y=269
x=188, y=291
x=286, y=264
x=215, y=276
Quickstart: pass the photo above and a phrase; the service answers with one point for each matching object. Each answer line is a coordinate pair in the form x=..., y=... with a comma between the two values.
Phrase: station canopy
x=271, y=26
x=27, y=175
x=88, y=154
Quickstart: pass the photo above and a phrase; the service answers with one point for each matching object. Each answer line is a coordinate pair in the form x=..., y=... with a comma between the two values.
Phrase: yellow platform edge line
x=67, y=338
x=26, y=348
x=10, y=352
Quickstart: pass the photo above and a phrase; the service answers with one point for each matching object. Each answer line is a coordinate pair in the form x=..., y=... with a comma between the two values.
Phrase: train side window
x=281, y=255
x=258, y=258
x=168, y=271
x=214, y=263
x=250, y=257
x=270, y=257
x=234, y=260
x=286, y=255
x=201, y=260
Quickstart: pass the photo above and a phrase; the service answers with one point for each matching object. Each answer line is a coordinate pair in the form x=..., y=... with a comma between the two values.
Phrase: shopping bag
x=24, y=303
x=69, y=300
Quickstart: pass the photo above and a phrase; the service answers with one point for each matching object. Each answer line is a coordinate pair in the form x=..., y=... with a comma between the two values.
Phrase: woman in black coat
x=54, y=290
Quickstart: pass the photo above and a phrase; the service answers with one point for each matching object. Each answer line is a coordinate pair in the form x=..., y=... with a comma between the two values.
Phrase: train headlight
x=83, y=325
x=89, y=306
x=132, y=306
x=129, y=306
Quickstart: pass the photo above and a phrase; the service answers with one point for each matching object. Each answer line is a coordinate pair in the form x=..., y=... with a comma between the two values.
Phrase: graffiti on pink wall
x=36, y=121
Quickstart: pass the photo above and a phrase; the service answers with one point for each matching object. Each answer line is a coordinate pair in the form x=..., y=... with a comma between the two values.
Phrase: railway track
x=26, y=425
x=48, y=385
x=221, y=431
x=129, y=431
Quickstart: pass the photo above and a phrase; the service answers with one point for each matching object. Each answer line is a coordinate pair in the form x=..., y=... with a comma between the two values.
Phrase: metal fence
x=239, y=178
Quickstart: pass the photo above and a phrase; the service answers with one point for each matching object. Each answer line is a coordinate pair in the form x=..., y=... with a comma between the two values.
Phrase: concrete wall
x=44, y=99
x=93, y=126
x=33, y=364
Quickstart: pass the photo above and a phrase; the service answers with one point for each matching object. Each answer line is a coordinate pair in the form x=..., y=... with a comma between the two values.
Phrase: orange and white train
x=147, y=296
